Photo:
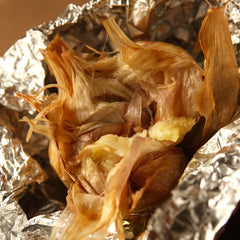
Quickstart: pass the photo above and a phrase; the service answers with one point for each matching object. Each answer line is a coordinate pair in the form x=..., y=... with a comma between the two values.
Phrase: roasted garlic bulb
x=116, y=123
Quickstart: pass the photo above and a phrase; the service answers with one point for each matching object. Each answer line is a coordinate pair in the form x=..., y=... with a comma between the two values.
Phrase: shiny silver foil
x=18, y=171
x=29, y=208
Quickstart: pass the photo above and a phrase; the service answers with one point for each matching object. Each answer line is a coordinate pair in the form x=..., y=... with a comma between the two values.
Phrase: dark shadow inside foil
x=49, y=79
x=231, y=229
x=44, y=198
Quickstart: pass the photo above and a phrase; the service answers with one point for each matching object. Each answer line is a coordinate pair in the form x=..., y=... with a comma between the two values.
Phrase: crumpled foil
x=32, y=197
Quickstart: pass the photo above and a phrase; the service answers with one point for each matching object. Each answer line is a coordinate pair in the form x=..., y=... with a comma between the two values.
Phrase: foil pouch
x=31, y=195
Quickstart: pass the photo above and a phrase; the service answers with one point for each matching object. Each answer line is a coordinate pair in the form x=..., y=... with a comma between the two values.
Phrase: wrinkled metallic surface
x=21, y=70
x=211, y=180
x=17, y=171
x=39, y=227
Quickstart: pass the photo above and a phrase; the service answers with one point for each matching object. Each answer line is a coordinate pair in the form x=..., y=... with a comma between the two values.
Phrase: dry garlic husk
x=117, y=121
x=221, y=70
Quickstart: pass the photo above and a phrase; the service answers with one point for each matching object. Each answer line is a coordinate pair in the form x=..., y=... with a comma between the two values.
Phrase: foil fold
x=21, y=70
x=17, y=171
x=39, y=227
x=212, y=178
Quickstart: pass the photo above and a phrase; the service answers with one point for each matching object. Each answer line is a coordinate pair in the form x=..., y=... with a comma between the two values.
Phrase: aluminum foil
x=18, y=171
x=31, y=196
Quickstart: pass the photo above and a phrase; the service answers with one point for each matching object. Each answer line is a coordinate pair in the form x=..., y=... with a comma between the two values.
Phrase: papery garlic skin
x=220, y=70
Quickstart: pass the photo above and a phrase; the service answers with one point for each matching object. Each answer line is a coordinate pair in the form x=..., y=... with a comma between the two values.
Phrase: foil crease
x=17, y=171
x=211, y=180
x=21, y=70
x=17, y=168
x=39, y=227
